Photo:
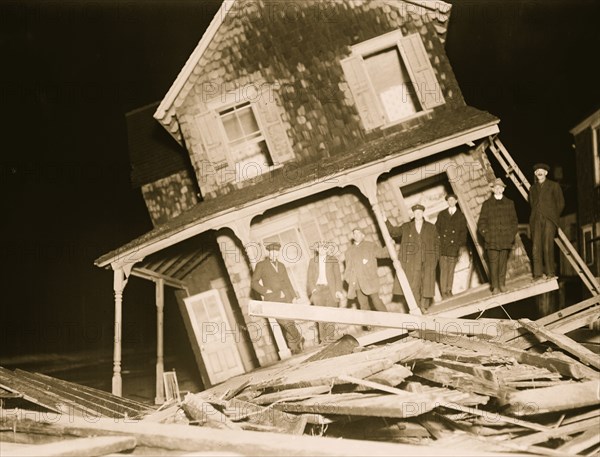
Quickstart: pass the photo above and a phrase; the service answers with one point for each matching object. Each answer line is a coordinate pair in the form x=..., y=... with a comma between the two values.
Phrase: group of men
x=423, y=246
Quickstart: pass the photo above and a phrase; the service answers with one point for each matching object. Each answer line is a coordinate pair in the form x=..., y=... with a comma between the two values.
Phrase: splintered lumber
x=345, y=345
x=460, y=380
x=84, y=447
x=206, y=414
x=362, y=404
x=584, y=441
x=563, y=431
x=291, y=395
x=275, y=419
x=189, y=438
x=405, y=322
x=392, y=376
x=564, y=342
x=569, y=395
x=359, y=364
x=573, y=370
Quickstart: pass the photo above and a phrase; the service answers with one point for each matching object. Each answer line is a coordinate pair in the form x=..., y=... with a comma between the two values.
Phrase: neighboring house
x=587, y=156
x=299, y=125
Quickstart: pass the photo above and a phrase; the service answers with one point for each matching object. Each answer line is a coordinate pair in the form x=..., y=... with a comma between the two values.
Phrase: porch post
x=119, y=283
x=241, y=228
x=368, y=186
x=160, y=367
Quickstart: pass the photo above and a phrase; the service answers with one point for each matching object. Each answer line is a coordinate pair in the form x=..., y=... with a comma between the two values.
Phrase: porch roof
x=446, y=129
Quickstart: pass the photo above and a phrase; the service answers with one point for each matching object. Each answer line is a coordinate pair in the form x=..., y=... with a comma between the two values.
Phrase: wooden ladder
x=518, y=178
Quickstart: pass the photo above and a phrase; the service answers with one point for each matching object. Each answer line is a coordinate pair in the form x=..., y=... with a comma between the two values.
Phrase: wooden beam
x=564, y=342
x=563, y=397
x=584, y=441
x=153, y=276
x=84, y=447
x=186, y=438
x=405, y=322
x=572, y=370
x=566, y=430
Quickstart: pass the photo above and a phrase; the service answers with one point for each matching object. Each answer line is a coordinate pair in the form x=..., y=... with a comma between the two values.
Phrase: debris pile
x=530, y=391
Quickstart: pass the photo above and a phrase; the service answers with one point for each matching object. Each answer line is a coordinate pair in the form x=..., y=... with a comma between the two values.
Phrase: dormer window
x=391, y=79
x=243, y=134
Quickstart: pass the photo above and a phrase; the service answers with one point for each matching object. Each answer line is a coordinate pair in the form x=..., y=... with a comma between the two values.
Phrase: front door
x=215, y=336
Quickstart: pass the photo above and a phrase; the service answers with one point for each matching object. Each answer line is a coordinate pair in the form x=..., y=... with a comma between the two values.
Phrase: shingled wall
x=297, y=54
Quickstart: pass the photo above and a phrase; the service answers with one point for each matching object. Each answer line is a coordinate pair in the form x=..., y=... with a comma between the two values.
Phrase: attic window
x=391, y=79
x=246, y=142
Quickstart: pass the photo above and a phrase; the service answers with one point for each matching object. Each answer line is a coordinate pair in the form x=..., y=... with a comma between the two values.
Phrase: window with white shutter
x=244, y=134
x=391, y=79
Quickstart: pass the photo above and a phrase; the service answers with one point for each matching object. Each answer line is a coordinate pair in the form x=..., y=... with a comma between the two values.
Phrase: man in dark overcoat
x=418, y=255
x=547, y=202
x=452, y=229
x=498, y=225
x=361, y=271
x=270, y=279
x=324, y=285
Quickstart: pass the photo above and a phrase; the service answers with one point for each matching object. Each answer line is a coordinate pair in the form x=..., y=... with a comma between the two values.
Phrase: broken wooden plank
x=291, y=395
x=569, y=395
x=572, y=370
x=564, y=342
x=84, y=447
x=405, y=322
x=576, y=427
x=206, y=414
x=186, y=438
x=345, y=345
x=582, y=442
x=280, y=421
x=460, y=380
x=392, y=376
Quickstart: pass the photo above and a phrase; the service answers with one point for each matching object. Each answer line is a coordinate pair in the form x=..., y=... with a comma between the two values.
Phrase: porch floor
x=480, y=298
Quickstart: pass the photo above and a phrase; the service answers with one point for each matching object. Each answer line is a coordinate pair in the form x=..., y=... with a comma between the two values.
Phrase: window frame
x=378, y=44
x=587, y=228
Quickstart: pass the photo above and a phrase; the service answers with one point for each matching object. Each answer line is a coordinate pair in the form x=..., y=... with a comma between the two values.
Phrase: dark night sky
x=71, y=70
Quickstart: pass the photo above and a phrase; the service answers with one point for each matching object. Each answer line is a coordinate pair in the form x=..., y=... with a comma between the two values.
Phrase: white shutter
x=364, y=95
x=215, y=145
x=272, y=128
x=421, y=72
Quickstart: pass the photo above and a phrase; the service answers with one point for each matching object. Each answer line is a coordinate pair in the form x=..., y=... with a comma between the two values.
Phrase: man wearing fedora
x=547, y=202
x=324, y=284
x=498, y=225
x=452, y=228
x=361, y=271
x=418, y=254
x=270, y=279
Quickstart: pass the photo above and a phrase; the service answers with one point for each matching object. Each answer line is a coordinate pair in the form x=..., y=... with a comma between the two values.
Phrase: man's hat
x=542, y=166
x=451, y=195
x=497, y=182
x=418, y=206
x=274, y=246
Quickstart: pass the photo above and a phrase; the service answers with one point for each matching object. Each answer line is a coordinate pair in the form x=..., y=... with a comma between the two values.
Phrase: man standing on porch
x=324, y=285
x=361, y=271
x=419, y=254
x=499, y=226
x=452, y=228
x=547, y=202
x=270, y=279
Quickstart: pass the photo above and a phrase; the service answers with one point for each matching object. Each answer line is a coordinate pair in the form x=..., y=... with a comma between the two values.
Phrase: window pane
x=392, y=84
x=232, y=127
x=248, y=121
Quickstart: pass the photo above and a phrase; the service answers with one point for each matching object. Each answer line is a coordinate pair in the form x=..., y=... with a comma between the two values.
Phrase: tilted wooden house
x=302, y=120
x=587, y=150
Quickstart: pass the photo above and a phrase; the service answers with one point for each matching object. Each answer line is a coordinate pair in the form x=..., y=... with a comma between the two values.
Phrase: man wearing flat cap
x=418, y=255
x=270, y=279
x=547, y=202
x=452, y=228
x=498, y=225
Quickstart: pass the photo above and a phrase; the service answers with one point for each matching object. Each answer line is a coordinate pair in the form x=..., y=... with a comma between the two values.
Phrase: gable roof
x=592, y=119
x=443, y=125
x=152, y=152
x=165, y=112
